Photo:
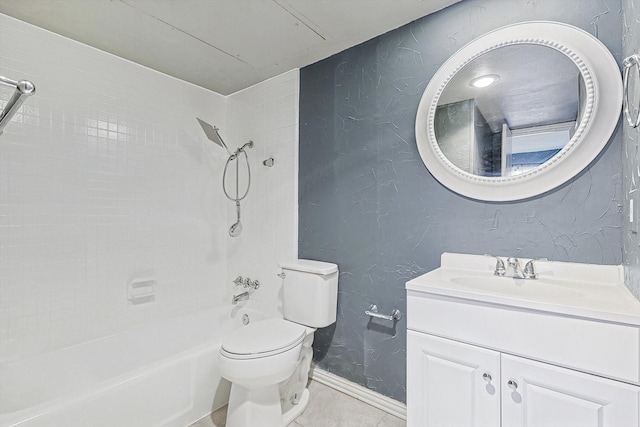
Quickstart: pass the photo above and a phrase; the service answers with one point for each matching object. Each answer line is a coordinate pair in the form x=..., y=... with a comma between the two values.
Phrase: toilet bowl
x=256, y=359
x=268, y=361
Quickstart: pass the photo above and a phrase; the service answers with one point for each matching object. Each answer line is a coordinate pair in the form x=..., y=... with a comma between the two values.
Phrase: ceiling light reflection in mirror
x=484, y=81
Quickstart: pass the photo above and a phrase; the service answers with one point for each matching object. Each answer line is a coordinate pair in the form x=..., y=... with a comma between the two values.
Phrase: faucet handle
x=529, y=271
x=500, y=268
x=239, y=281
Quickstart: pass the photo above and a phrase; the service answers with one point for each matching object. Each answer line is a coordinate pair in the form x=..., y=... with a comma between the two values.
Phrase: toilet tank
x=310, y=292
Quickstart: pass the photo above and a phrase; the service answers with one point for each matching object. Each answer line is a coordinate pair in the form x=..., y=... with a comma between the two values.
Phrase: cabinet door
x=445, y=383
x=542, y=395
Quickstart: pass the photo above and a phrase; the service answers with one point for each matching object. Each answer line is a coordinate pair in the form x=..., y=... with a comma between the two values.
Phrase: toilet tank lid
x=309, y=266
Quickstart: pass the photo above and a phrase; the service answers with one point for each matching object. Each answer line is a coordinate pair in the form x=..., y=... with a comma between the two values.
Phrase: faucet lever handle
x=500, y=268
x=529, y=270
x=239, y=281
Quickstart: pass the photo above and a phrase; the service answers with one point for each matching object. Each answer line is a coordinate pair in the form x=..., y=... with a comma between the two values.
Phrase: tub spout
x=240, y=297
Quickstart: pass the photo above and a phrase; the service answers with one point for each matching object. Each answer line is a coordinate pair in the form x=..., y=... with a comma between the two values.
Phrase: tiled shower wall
x=267, y=114
x=105, y=177
x=630, y=156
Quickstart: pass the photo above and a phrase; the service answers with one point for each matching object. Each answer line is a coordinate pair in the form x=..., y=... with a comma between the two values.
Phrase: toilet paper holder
x=373, y=312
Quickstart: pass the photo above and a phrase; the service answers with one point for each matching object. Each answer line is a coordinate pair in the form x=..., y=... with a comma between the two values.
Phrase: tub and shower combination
x=161, y=374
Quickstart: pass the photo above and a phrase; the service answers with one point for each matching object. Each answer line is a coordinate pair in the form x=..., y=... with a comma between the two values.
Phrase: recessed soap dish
x=141, y=291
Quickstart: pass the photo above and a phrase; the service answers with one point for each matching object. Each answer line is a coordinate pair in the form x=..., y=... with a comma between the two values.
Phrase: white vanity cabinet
x=450, y=383
x=540, y=394
x=454, y=384
x=476, y=358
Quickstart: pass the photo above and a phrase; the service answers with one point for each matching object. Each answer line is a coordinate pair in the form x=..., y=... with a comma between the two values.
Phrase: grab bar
x=373, y=312
x=24, y=88
x=628, y=63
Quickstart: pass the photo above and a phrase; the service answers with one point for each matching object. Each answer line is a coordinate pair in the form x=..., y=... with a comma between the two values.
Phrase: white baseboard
x=359, y=392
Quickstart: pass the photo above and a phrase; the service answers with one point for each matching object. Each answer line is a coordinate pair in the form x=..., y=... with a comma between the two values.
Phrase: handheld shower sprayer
x=214, y=136
x=236, y=228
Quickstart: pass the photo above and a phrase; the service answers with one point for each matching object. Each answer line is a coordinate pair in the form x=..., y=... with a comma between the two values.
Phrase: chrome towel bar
x=373, y=312
x=631, y=112
x=23, y=89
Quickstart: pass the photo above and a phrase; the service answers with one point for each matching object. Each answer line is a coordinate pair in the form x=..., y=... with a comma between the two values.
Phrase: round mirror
x=519, y=111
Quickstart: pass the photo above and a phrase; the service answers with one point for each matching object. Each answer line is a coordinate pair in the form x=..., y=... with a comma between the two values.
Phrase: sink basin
x=585, y=290
x=536, y=288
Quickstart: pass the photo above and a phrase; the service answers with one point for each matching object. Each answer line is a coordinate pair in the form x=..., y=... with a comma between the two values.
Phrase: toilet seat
x=263, y=339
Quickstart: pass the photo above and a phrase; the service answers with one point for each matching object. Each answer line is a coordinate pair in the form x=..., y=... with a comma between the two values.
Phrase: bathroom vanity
x=561, y=349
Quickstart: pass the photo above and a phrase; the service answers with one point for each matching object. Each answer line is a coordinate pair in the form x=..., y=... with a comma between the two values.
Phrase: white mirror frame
x=603, y=105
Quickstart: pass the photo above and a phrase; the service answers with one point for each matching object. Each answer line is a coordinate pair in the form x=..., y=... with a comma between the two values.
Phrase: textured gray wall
x=630, y=160
x=368, y=203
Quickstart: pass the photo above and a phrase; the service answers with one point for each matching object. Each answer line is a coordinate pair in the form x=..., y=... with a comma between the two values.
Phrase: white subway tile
x=101, y=179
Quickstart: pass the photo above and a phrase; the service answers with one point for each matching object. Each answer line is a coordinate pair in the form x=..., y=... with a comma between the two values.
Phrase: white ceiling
x=222, y=45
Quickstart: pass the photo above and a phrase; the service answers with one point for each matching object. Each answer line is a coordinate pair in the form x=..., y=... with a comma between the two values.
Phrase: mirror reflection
x=509, y=110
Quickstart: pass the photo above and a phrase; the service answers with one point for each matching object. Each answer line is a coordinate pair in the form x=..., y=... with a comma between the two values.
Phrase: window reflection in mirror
x=525, y=109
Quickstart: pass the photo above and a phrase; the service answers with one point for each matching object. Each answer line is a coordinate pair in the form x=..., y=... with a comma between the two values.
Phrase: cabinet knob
x=512, y=385
x=487, y=377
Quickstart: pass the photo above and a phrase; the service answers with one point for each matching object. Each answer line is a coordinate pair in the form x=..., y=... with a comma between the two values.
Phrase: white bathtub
x=162, y=374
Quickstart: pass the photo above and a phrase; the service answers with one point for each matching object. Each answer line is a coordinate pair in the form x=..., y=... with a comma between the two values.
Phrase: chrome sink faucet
x=514, y=265
x=518, y=273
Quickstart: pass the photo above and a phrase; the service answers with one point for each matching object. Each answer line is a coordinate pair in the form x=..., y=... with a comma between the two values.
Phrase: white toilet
x=268, y=361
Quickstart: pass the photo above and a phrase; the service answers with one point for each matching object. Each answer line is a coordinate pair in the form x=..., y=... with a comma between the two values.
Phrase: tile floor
x=327, y=408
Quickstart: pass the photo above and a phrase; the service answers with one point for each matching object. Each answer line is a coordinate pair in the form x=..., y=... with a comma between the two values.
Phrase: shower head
x=213, y=135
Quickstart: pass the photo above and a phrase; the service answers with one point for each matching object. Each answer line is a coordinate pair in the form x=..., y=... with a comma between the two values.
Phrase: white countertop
x=585, y=290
